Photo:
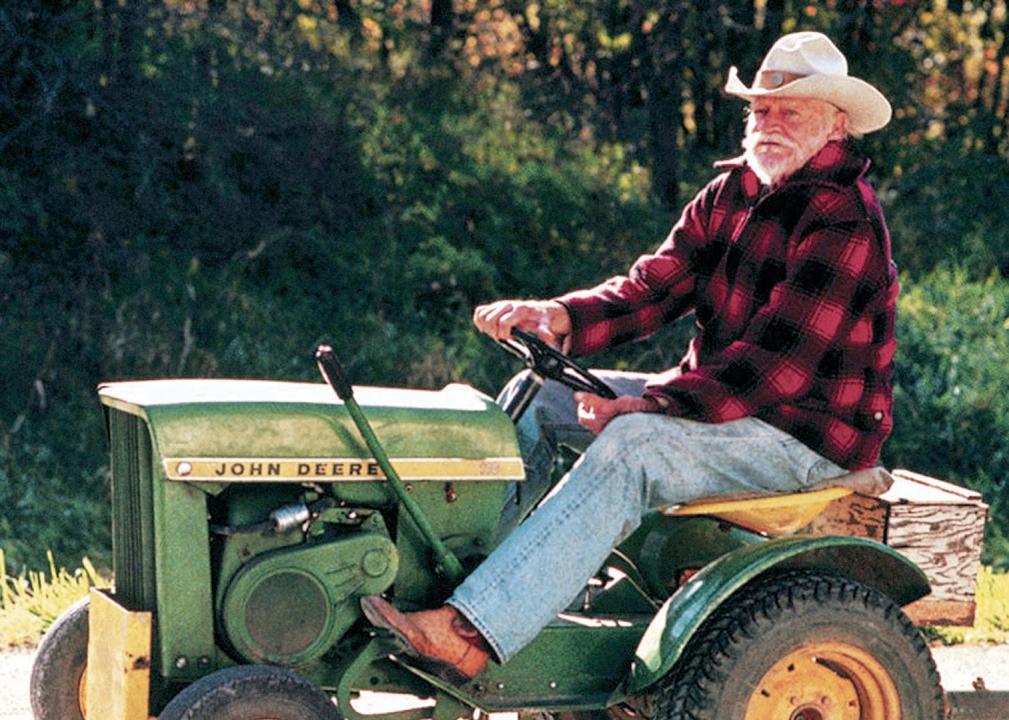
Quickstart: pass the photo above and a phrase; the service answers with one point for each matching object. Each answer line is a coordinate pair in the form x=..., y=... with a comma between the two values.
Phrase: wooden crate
x=937, y=525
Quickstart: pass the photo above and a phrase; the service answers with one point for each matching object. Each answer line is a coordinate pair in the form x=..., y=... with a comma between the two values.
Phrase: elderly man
x=785, y=260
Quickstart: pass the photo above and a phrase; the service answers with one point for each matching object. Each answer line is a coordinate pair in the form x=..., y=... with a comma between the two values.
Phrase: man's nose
x=767, y=120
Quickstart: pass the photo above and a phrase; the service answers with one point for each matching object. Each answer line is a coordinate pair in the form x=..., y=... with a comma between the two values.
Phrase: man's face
x=782, y=134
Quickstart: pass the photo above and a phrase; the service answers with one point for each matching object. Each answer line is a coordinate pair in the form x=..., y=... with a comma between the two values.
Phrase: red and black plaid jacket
x=794, y=292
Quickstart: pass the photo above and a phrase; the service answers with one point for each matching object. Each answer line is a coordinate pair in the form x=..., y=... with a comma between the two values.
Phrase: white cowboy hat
x=808, y=64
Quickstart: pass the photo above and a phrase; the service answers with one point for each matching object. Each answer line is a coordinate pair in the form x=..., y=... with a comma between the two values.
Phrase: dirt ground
x=961, y=667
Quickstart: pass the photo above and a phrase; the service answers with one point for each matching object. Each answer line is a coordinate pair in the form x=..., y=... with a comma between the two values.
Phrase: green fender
x=866, y=561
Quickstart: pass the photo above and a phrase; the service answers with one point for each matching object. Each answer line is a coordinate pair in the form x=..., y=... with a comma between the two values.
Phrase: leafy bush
x=942, y=209
x=211, y=189
x=231, y=238
x=951, y=401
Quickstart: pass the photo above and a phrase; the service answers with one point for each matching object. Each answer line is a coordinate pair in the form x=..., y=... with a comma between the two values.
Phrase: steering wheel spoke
x=549, y=362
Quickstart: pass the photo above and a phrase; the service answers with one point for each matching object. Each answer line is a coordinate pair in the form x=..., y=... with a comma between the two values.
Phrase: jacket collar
x=836, y=164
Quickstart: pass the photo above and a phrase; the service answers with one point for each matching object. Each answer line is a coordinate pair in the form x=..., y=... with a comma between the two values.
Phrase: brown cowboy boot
x=442, y=637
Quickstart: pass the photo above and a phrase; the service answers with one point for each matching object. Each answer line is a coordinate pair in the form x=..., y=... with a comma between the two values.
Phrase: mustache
x=754, y=138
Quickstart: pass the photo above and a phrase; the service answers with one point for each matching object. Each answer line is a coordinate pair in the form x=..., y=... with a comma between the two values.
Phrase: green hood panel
x=232, y=423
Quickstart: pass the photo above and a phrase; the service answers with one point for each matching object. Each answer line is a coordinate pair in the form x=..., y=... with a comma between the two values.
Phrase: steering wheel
x=549, y=362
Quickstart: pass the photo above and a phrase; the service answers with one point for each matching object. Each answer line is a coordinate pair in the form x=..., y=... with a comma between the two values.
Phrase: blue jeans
x=639, y=462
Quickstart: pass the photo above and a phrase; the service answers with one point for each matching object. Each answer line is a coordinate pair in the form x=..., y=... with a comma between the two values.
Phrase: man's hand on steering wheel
x=546, y=318
x=595, y=413
x=525, y=323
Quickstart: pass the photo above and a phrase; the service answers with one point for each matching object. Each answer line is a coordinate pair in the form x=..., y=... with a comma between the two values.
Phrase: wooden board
x=941, y=612
x=911, y=487
x=943, y=540
x=937, y=525
x=978, y=705
x=853, y=515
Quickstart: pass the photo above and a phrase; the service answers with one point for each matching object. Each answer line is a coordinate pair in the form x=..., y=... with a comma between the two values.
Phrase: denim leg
x=640, y=461
x=551, y=421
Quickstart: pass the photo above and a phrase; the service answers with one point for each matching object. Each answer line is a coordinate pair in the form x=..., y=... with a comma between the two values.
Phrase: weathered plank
x=941, y=612
x=937, y=525
x=948, y=487
x=853, y=515
x=978, y=705
x=944, y=541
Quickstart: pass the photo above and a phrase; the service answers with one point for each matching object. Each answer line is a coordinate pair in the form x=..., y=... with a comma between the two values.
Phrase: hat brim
x=865, y=106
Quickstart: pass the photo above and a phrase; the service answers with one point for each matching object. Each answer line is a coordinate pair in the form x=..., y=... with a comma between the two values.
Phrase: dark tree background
x=212, y=187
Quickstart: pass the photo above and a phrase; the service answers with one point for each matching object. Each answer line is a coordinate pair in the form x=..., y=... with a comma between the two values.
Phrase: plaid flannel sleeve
x=658, y=289
x=831, y=277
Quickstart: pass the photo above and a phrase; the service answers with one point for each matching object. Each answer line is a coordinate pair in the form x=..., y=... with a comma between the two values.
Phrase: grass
x=31, y=601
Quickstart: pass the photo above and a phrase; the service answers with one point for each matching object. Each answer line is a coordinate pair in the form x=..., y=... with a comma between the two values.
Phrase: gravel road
x=960, y=667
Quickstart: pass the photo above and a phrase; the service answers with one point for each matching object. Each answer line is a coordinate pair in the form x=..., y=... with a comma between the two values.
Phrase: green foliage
x=221, y=212
x=951, y=407
x=943, y=207
x=48, y=502
x=211, y=189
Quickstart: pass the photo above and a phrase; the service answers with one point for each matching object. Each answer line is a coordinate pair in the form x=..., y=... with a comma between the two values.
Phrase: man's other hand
x=595, y=412
x=547, y=318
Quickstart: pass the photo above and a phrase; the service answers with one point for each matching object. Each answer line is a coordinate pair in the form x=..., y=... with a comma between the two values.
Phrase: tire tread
x=61, y=657
x=687, y=692
x=208, y=697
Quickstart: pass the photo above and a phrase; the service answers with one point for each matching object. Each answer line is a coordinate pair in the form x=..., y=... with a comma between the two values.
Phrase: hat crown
x=805, y=53
x=809, y=65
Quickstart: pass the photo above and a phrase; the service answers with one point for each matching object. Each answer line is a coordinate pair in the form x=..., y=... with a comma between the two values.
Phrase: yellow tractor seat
x=780, y=514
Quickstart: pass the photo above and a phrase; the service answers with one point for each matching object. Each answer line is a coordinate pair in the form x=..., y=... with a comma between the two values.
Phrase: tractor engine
x=288, y=587
x=249, y=517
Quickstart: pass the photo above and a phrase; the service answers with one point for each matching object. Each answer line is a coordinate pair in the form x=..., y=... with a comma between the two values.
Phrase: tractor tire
x=804, y=646
x=58, y=677
x=251, y=692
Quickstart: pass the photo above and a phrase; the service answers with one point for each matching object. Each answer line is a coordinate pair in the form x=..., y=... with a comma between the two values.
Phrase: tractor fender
x=866, y=561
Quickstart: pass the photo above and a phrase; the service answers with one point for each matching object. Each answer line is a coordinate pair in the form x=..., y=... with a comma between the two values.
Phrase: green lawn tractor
x=250, y=517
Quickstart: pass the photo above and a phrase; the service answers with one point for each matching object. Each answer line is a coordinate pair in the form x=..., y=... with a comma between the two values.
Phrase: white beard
x=758, y=168
x=773, y=173
x=775, y=168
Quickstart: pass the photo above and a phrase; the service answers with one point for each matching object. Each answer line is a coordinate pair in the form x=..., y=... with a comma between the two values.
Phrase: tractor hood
x=255, y=430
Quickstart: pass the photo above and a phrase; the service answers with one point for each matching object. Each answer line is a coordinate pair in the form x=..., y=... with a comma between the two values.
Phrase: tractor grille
x=132, y=511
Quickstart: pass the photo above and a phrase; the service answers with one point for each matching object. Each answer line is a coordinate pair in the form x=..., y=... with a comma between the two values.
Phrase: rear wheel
x=805, y=647
x=59, y=675
x=251, y=692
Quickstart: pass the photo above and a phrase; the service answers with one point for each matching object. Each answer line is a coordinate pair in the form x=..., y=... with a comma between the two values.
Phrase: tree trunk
x=442, y=23
x=774, y=17
x=708, y=26
x=739, y=44
x=108, y=36
x=665, y=116
x=349, y=20
x=131, y=17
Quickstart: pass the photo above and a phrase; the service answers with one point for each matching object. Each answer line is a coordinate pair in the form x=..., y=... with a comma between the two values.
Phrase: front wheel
x=251, y=692
x=805, y=646
x=58, y=678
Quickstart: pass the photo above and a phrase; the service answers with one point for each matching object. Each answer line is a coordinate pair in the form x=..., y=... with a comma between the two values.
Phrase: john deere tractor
x=250, y=517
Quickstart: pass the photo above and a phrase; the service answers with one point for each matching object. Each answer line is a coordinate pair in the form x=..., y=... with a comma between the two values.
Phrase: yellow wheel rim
x=825, y=681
